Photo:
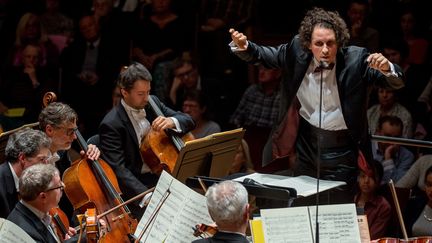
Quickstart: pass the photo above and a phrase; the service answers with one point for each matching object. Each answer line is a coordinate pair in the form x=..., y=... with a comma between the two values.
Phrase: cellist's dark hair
x=325, y=19
x=129, y=75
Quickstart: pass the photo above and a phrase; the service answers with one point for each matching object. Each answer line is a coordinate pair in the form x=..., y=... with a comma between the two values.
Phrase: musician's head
x=41, y=187
x=134, y=82
x=228, y=205
x=186, y=70
x=59, y=122
x=323, y=33
x=26, y=148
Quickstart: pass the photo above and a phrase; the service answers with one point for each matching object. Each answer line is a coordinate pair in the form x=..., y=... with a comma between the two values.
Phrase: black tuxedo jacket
x=8, y=192
x=223, y=237
x=30, y=223
x=353, y=76
x=120, y=147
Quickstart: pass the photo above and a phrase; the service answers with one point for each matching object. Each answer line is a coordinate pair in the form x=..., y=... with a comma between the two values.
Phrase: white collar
x=15, y=177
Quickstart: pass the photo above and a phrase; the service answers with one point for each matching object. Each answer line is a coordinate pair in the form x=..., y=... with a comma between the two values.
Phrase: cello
x=93, y=184
x=160, y=149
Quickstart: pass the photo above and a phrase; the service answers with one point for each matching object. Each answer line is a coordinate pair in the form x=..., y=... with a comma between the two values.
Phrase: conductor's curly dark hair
x=326, y=19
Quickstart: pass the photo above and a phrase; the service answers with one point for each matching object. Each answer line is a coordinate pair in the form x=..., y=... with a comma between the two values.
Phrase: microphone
x=249, y=181
x=324, y=64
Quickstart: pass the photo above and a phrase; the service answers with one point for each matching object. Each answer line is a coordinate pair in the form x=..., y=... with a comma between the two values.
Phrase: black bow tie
x=321, y=68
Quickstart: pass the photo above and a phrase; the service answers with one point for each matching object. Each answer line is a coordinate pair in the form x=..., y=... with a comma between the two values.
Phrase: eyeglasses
x=69, y=131
x=61, y=187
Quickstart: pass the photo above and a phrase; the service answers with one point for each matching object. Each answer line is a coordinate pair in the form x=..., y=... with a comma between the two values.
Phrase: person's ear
x=246, y=212
x=49, y=130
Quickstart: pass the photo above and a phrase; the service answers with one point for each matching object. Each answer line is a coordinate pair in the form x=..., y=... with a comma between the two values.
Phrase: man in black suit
x=336, y=113
x=228, y=206
x=40, y=188
x=124, y=127
x=24, y=148
x=59, y=122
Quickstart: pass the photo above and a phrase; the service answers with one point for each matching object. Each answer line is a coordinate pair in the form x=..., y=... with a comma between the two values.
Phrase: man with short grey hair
x=228, y=206
x=24, y=148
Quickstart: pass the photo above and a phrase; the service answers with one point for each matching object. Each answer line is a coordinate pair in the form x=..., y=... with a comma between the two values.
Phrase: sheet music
x=183, y=209
x=337, y=223
x=286, y=225
x=304, y=185
x=11, y=233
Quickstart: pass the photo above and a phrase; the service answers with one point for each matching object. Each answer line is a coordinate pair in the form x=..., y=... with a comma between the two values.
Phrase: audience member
x=418, y=46
x=23, y=87
x=257, y=112
x=90, y=66
x=31, y=31
x=395, y=159
x=376, y=207
x=23, y=149
x=360, y=33
x=418, y=214
x=124, y=127
x=59, y=27
x=416, y=174
x=228, y=206
x=388, y=106
x=195, y=105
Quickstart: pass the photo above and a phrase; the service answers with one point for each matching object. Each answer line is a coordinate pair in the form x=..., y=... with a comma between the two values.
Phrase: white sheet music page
x=337, y=223
x=182, y=210
x=286, y=225
x=11, y=233
x=304, y=185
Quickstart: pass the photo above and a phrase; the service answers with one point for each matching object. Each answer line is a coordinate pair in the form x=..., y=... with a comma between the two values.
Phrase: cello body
x=93, y=184
x=160, y=149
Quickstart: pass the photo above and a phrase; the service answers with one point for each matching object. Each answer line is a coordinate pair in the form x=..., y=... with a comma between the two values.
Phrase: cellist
x=59, y=122
x=123, y=128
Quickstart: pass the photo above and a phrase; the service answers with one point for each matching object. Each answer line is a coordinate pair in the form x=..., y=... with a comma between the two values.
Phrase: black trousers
x=336, y=155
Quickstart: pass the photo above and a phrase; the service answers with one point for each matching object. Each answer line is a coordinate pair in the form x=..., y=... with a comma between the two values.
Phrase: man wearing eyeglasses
x=40, y=188
x=59, y=122
x=24, y=149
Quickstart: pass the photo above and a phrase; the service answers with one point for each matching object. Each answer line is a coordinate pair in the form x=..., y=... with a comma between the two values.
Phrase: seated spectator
x=416, y=174
x=31, y=31
x=360, y=33
x=376, y=207
x=418, y=215
x=395, y=159
x=228, y=206
x=388, y=106
x=195, y=105
x=23, y=149
x=23, y=86
x=257, y=112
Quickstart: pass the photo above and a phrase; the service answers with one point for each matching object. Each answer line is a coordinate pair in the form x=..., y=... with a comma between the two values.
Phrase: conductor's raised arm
x=239, y=39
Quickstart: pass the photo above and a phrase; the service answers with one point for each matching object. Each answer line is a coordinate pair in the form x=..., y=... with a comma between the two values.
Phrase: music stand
x=280, y=196
x=209, y=156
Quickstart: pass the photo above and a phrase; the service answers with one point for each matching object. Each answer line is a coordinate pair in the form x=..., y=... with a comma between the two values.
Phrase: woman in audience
x=376, y=207
x=418, y=215
x=195, y=105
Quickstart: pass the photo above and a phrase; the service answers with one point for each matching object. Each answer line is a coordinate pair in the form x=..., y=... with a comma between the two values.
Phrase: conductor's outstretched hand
x=239, y=39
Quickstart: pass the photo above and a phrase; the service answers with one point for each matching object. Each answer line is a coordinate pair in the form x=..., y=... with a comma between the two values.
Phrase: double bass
x=93, y=184
x=160, y=149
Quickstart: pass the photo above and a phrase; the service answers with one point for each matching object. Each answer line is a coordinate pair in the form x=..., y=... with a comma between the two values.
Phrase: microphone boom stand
x=322, y=65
